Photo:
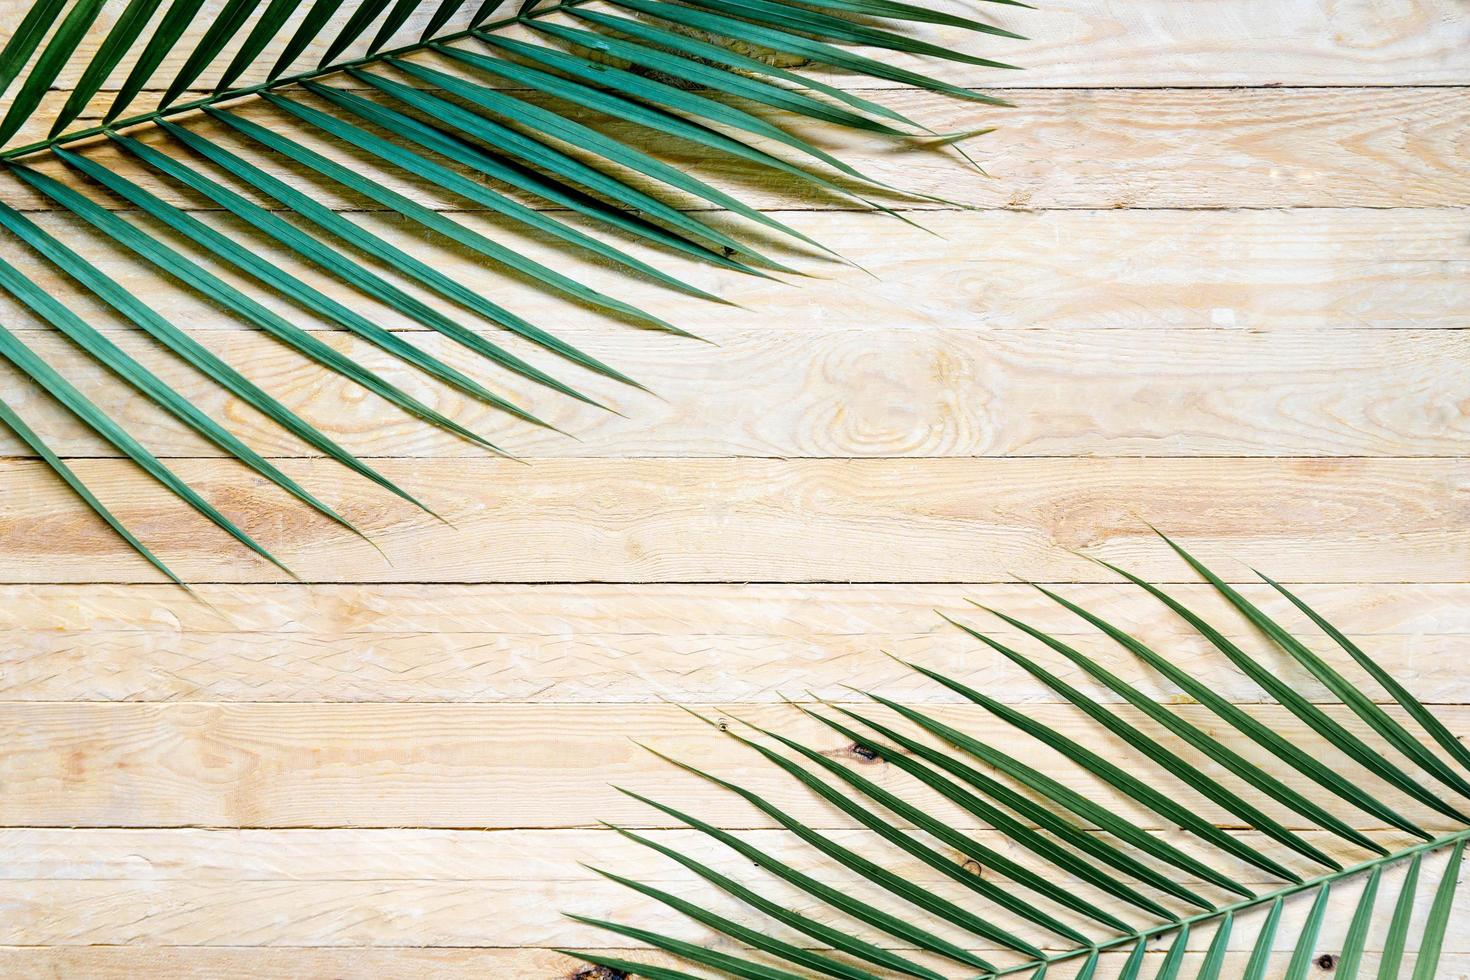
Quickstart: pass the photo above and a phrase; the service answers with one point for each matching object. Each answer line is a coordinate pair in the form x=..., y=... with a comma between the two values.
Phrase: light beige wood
x=1075, y=148
x=367, y=963
x=1080, y=320
x=392, y=964
x=848, y=386
x=1115, y=43
x=922, y=520
x=905, y=390
x=712, y=644
x=1344, y=269
x=476, y=765
x=211, y=888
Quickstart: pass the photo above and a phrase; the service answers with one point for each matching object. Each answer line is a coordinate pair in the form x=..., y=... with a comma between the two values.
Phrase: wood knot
x=1327, y=962
x=598, y=973
x=863, y=753
x=973, y=867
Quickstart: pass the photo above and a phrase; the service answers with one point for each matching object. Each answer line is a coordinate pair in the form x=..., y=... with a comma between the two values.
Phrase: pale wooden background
x=1219, y=283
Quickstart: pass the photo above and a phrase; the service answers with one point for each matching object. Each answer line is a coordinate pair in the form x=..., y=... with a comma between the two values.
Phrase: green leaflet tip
x=667, y=758
x=373, y=544
x=908, y=221
x=946, y=139
x=677, y=332
x=629, y=834
x=973, y=163
x=689, y=710
x=748, y=724
x=1096, y=561
x=947, y=619
x=606, y=874
x=895, y=659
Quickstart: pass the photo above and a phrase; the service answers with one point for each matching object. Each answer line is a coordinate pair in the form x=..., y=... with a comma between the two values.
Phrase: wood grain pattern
x=1134, y=43
x=369, y=963
x=217, y=887
x=922, y=520
x=1057, y=148
x=610, y=644
x=953, y=375
x=1239, y=272
x=1217, y=281
x=484, y=766
x=902, y=390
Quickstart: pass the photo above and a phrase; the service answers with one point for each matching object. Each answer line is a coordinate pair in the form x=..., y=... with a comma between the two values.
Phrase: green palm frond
x=531, y=111
x=1076, y=873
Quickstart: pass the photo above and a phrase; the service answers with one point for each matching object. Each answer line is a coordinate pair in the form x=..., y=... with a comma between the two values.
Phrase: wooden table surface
x=1219, y=280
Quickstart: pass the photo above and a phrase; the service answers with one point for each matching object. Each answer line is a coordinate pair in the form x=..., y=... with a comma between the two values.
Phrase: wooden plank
x=1149, y=282
x=955, y=520
x=367, y=963
x=715, y=644
x=1064, y=148
x=1114, y=43
x=1072, y=270
x=1235, y=274
x=479, y=766
x=854, y=392
x=398, y=888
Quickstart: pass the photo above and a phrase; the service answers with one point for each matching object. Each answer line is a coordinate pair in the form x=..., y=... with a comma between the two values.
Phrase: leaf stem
x=1240, y=906
x=217, y=98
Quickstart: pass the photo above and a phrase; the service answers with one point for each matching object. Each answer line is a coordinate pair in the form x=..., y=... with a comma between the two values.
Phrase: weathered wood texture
x=368, y=963
x=1146, y=43
x=1070, y=147
x=490, y=766
x=233, y=882
x=609, y=644
x=1216, y=281
x=767, y=520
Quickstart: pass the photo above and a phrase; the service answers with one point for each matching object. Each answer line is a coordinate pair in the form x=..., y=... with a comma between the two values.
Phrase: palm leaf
x=1432, y=943
x=1357, y=934
x=1255, y=967
x=1397, y=942
x=479, y=108
x=1035, y=913
x=1174, y=959
x=1214, y=960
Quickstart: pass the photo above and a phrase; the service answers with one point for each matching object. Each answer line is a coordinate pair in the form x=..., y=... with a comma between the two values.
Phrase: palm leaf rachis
x=1065, y=870
x=549, y=115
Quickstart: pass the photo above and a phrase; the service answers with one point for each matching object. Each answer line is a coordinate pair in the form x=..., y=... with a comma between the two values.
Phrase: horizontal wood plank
x=500, y=765
x=712, y=644
x=368, y=963
x=1063, y=148
x=1086, y=270
x=900, y=390
x=955, y=520
x=398, y=888
x=1116, y=43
